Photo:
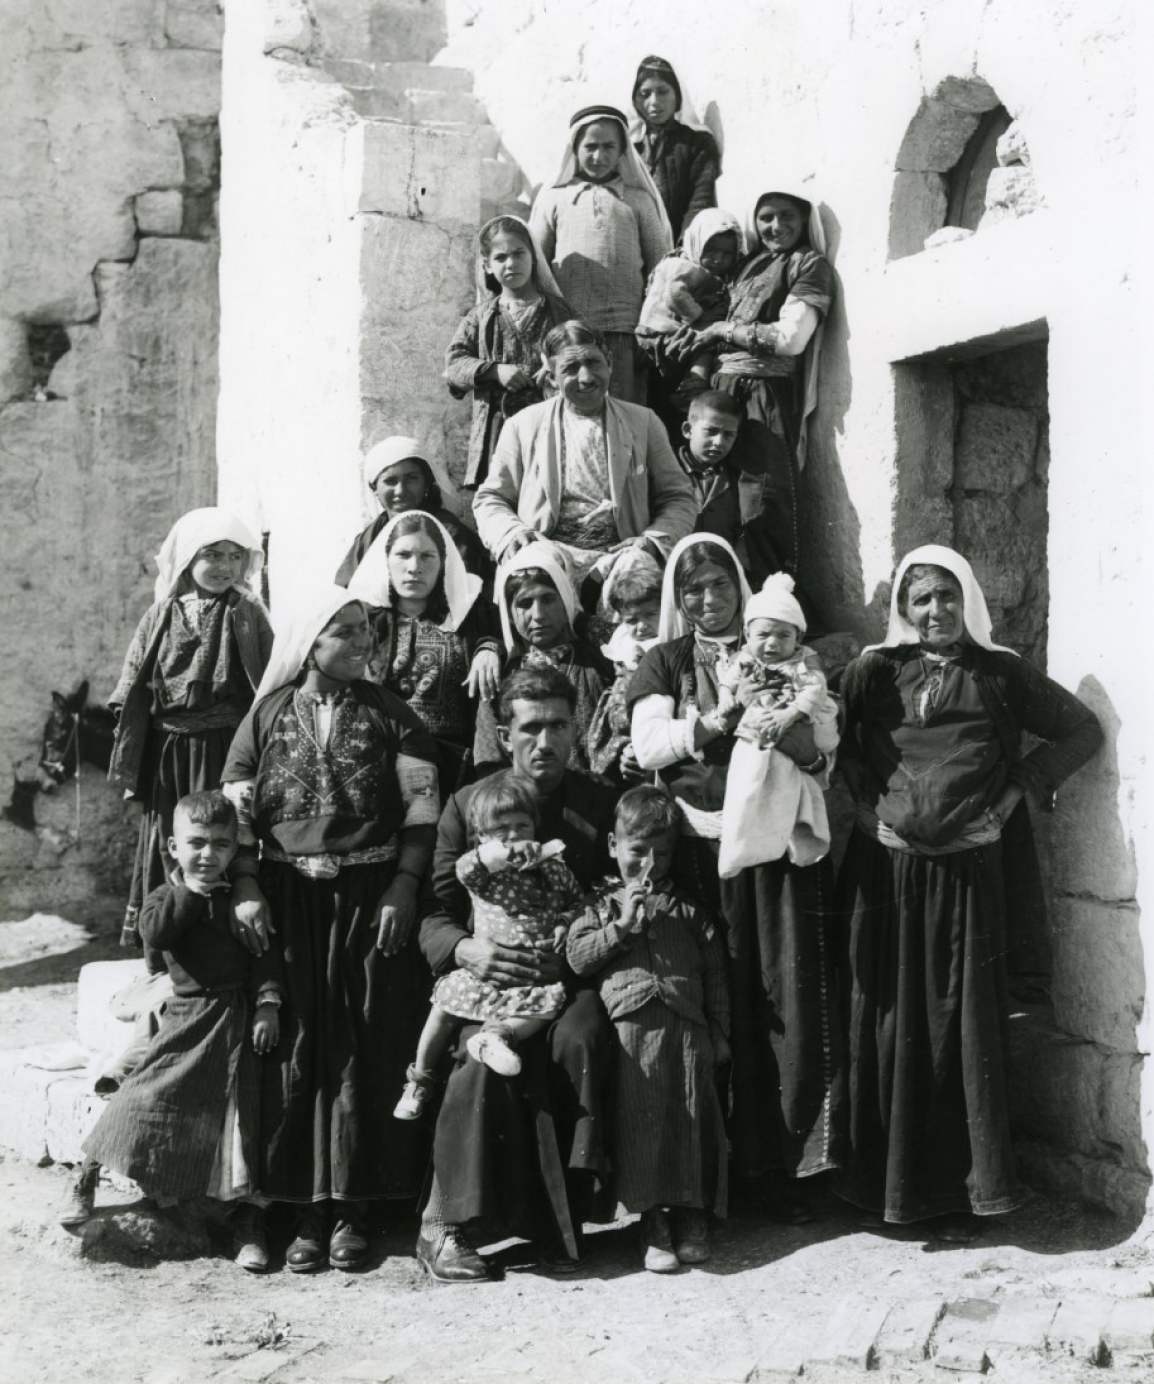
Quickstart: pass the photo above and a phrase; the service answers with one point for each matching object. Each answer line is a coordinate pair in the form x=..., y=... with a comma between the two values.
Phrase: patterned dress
x=518, y=906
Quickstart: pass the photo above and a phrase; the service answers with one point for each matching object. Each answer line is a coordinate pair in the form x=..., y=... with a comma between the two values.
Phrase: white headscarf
x=390, y=450
x=551, y=561
x=631, y=169
x=195, y=530
x=370, y=582
x=673, y=623
x=297, y=631
x=542, y=271
x=977, y=617
x=704, y=226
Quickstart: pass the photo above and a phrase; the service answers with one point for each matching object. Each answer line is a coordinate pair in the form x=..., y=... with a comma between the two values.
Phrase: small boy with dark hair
x=184, y=1124
x=661, y=969
x=632, y=596
x=521, y=893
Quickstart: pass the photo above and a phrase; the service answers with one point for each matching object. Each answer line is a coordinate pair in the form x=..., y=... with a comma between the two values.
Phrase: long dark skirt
x=766, y=446
x=788, y=1081
x=174, y=765
x=928, y=1018
x=163, y=1126
x=348, y=1030
x=530, y=1155
x=669, y=1137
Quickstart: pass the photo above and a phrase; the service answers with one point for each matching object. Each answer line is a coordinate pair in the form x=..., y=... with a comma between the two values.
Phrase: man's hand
x=249, y=915
x=396, y=914
x=266, y=1028
x=509, y=963
x=512, y=378
x=517, y=542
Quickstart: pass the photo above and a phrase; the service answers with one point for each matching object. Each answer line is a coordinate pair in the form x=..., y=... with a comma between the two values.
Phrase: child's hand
x=266, y=1028
x=560, y=932
x=494, y=855
x=523, y=854
x=631, y=770
x=512, y=378
x=633, y=915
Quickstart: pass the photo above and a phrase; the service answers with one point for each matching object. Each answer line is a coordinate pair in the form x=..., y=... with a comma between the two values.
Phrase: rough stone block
x=500, y=180
x=98, y=1027
x=72, y=1112
x=848, y=1337
x=194, y=24
x=287, y=25
x=15, y=362
x=159, y=213
x=960, y=1341
x=1011, y=192
x=1004, y=555
x=431, y=175
x=905, y=1335
x=967, y=94
x=27, y=1079
x=445, y=107
x=1078, y=1326
x=1012, y=147
x=1130, y=1329
x=917, y=209
x=1098, y=983
x=172, y=83
x=936, y=137
x=963, y=1357
x=995, y=448
x=1021, y=1325
x=402, y=31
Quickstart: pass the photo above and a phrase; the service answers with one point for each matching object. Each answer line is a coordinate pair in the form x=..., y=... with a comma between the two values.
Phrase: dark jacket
x=201, y=953
x=685, y=171
x=133, y=694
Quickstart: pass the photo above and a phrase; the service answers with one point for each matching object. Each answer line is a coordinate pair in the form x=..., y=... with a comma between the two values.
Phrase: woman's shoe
x=249, y=1245
x=349, y=1244
x=657, y=1242
x=489, y=1047
x=307, y=1251
x=690, y=1235
x=958, y=1228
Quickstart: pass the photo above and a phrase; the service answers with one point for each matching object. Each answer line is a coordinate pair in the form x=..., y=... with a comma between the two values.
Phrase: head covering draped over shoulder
x=654, y=66
x=683, y=112
x=814, y=233
x=704, y=226
x=198, y=529
x=542, y=272
x=550, y=560
x=776, y=601
x=370, y=582
x=391, y=450
x=297, y=630
x=979, y=626
x=673, y=622
x=631, y=170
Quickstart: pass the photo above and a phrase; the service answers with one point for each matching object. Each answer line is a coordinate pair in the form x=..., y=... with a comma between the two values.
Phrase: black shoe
x=307, y=1251
x=349, y=1244
x=958, y=1228
x=449, y=1258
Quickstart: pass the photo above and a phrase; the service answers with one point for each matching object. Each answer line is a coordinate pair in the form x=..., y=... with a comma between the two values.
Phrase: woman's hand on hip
x=396, y=914
x=508, y=963
x=484, y=675
x=1011, y=796
x=249, y=915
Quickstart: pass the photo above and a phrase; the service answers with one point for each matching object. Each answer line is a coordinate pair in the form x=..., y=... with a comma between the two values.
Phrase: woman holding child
x=788, y=1079
x=942, y=843
x=336, y=781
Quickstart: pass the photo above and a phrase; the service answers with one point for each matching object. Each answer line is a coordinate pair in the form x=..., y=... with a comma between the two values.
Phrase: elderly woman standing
x=933, y=756
x=788, y=1083
x=766, y=355
x=336, y=781
x=682, y=159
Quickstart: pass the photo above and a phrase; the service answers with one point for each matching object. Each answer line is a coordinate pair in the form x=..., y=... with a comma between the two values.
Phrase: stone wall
x=109, y=165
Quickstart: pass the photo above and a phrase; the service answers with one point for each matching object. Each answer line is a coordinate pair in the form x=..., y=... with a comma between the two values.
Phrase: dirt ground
x=111, y=1305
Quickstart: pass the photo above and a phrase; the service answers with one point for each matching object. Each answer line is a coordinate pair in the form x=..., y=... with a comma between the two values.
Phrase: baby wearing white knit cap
x=791, y=685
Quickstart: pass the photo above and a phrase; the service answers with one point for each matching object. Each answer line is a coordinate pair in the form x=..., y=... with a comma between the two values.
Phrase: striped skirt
x=163, y=1128
x=669, y=1131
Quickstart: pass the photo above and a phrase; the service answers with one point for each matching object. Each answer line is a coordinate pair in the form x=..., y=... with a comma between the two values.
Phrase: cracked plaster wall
x=109, y=161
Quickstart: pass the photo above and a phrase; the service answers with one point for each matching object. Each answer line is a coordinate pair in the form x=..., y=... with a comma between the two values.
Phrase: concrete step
x=98, y=1028
x=47, y=1107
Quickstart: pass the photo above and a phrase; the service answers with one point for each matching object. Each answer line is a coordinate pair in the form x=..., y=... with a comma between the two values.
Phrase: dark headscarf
x=656, y=67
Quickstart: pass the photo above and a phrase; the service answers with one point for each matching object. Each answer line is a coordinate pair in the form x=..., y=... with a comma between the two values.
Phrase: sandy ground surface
x=112, y=1305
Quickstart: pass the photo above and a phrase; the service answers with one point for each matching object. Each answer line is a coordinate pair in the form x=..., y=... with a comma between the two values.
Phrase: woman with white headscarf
x=766, y=353
x=933, y=755
x=496, y=352
x=403, y=476
x=681, y=155
x=436, y=644
x=603, y=227
x=788, y=1080
x=188, y=679
x=335, y=782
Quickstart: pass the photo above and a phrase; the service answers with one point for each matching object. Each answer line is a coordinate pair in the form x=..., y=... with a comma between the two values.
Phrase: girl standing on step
x=496, y=352
x=188, y=679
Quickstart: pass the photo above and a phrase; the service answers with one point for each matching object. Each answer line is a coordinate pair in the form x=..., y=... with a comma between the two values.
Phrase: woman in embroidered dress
x=681, y=156
x=336, y=781
x=788, y=1079
x=496, y=352
x=543, y=624
x=402, y=477
x=766, y=355
x=934, y=759
x=436, y=645
x=188, y=679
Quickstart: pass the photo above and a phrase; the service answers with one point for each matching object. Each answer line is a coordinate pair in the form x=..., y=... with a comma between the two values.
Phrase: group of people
x=498, y=878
